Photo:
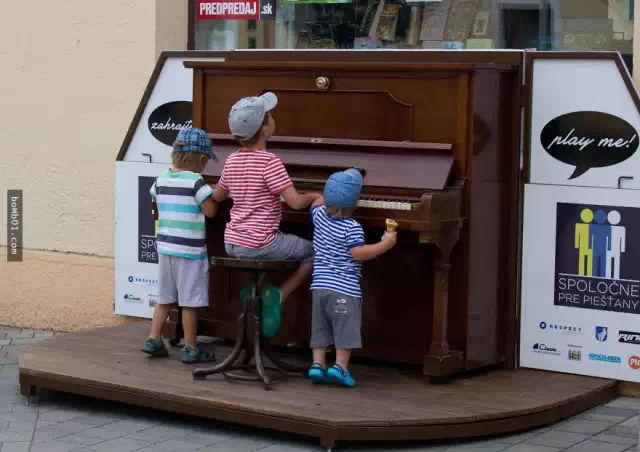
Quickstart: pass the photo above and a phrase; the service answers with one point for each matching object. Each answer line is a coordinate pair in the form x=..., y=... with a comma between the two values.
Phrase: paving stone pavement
x=59, y=422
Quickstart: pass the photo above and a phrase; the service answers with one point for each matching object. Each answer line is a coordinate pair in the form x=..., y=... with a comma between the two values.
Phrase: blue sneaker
x=155, y=347
x=317, y=374
x=337, y=374
x=196, y=355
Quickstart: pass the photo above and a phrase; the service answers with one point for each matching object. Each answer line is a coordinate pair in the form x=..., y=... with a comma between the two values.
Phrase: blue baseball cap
x=193, y=139
x=343, y=189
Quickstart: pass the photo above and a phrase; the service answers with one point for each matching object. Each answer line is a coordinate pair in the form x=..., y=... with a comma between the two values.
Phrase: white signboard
x=168, y=109
x=136, y=275
x=581, y=281
x=584, y=126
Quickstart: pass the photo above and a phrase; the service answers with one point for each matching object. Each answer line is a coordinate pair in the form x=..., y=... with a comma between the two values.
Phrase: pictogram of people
x=599, y=245
x=600, y=242
x=582, y=243
x=618, y=235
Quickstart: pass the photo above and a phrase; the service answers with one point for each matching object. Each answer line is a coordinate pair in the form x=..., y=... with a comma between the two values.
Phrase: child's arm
x=318, y=202
x=297, y=200
x=203, y=194
x=219, y=193
x=209, y=207
x=368, y=252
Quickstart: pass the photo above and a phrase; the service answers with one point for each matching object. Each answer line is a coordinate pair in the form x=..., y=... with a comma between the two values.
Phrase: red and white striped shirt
x=254, y=179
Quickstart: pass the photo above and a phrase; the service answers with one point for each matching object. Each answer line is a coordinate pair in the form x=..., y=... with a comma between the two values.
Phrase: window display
x=436, y=24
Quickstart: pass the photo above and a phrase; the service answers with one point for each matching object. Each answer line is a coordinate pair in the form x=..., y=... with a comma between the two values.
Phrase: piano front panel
x=419, y=106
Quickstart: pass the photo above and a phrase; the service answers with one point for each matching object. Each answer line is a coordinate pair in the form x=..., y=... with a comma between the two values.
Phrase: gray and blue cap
x=193, y=139
x=247, y=115
x=342, y=189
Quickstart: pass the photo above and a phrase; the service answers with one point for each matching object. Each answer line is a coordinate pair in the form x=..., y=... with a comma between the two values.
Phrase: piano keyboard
x=385, y=204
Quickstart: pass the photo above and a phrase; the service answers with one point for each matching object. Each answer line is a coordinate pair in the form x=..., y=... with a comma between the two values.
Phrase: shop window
x=576, y=25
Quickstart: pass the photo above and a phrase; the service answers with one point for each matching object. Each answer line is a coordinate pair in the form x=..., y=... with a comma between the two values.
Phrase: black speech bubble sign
x=168, y=119
x=589, y=139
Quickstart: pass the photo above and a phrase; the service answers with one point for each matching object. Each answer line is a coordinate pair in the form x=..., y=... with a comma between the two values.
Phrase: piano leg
x=441, y=361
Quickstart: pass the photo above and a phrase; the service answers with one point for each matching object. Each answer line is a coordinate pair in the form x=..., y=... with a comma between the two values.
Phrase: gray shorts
x=185, y=281
x=286, y=247
x=336, y=320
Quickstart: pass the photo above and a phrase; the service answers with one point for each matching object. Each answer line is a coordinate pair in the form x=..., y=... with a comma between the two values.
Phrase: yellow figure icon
x=585, y=252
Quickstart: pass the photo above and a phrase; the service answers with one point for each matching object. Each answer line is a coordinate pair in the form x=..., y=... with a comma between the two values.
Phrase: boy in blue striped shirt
x=339, y=249
x=183, y=200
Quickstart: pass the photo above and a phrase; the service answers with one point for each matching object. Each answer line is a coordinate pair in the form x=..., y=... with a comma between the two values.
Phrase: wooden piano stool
x=249, y=336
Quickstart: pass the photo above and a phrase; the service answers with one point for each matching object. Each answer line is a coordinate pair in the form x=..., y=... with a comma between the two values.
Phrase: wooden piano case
x=444, y=298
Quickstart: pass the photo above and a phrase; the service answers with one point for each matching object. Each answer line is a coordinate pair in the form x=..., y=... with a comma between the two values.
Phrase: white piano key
x=384, y=204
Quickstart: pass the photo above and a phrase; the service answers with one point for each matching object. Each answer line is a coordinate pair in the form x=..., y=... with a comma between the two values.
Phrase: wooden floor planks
x=386, y=398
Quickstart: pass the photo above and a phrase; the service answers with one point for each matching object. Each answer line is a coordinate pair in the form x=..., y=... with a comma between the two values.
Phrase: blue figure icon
x=600, y=241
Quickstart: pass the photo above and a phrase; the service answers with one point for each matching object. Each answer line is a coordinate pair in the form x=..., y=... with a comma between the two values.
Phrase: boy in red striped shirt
x=256, y=180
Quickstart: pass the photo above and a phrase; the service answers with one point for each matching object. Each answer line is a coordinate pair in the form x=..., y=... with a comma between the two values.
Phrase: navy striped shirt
x=333, y=266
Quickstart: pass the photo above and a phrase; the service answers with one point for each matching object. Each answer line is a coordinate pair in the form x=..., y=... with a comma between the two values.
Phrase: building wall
x=73, y=73
x=171, y=25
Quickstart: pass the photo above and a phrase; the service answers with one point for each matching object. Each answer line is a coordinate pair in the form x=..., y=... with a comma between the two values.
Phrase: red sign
x=229, y=9
x=634, y=362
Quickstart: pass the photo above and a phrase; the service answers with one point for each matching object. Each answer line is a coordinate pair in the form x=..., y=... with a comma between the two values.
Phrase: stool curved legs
x=250, y=344
x=258, y=358
x=201, y=373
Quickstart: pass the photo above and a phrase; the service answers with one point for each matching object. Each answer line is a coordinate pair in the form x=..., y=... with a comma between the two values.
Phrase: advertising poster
x=581, y=281
x=136, y=275
x=168, y=110
x=584, y=130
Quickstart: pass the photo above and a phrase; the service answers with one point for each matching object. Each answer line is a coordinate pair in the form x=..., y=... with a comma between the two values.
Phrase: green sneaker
x=155, y=347
x=196, y=355
x=271, y=311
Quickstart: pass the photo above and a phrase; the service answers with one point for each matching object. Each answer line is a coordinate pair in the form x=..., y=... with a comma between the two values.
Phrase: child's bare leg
x=160, y=315
x=319, y=356
x=342, y=357
x=190, y=326
x=296, y=279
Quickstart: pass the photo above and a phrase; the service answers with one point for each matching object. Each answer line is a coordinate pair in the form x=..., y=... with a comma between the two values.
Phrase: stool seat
x=253, y=264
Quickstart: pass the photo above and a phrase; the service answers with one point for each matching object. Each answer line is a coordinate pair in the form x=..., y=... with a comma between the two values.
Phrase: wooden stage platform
x=388, y=404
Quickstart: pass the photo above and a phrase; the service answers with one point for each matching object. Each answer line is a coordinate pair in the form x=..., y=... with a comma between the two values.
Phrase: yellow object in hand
x=391, y=225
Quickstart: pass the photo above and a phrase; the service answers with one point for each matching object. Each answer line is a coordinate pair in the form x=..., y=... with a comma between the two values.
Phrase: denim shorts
x=286, y=247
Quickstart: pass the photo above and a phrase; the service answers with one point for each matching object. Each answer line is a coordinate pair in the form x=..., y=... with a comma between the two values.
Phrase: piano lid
x=393, y=164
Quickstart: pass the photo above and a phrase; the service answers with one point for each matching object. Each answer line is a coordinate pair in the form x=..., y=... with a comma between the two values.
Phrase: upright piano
x=435, y=143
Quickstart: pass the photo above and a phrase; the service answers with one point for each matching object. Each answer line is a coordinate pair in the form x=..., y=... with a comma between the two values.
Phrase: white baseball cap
x=247, y=115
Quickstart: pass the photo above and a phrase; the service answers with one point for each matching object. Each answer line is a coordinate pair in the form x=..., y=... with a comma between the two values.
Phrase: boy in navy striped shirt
x=183, y=200
x=339, y=249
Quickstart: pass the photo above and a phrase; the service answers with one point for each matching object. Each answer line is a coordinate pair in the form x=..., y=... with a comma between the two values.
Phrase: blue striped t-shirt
x=333, y=266
x=178, y=195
